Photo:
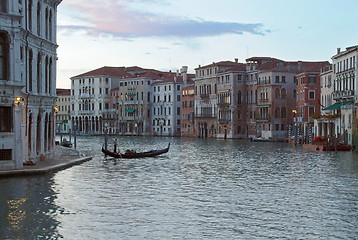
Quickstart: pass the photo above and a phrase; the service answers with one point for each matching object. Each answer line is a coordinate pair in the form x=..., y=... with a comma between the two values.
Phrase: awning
x=263, y=106
x=338, y=105
x=334, y=106
x=129, y=110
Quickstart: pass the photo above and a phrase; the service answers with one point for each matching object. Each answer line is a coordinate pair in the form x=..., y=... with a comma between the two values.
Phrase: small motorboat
x=66, y=143
x=262, y=140
x=133, y=154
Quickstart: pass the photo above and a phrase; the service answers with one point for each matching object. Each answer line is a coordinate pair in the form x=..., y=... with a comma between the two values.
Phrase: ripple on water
x=201, y=189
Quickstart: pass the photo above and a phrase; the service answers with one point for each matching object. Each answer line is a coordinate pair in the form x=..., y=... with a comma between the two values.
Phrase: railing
x=203, y=115
x=263, y=118
x=86, y=112
x=204, y=95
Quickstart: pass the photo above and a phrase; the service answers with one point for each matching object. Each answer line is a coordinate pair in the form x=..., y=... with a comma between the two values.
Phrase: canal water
x=201, y=189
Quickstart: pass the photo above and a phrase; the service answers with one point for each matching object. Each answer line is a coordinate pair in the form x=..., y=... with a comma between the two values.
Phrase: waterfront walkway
x=63, y=158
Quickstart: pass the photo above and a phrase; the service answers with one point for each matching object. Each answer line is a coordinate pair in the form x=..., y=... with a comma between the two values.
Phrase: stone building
x=345, y=71
x=27, y=80
x=205, y=91
x=90, y=100
x=309, y=98
x=188, y=117
x=230, y=93
x=63, y=117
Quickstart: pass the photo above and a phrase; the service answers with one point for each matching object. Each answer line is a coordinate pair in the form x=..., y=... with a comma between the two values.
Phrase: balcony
x=205, y=115
x=224, y=121
x=223, y=105
x=343, y=94
x=263, y=119
x=86, y=112
x=204, y=96
x=86, y=96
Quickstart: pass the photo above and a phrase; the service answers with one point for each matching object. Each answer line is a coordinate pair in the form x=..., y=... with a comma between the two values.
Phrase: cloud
x=113, y=18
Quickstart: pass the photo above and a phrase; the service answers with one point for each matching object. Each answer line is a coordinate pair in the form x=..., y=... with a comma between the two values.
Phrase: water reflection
x=201, y=189
x=27, y=209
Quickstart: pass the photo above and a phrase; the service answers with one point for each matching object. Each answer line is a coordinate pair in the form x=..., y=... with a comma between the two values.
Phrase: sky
x=168, y=34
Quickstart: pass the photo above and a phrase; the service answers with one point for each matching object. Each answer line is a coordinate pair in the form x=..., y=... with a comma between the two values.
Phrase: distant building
x=205, y=90
x=63, y=117
x=134, y=101
x=345, y=74
x=230, y=91
x=90, y=100
x=188, y=110
x=309, y=98
x=27, y=81
x=325, y=124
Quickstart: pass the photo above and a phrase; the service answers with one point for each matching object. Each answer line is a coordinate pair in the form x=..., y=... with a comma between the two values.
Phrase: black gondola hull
x=151, y=153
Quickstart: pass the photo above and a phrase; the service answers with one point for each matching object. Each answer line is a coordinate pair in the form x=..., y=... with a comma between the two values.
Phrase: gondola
x=132, y=154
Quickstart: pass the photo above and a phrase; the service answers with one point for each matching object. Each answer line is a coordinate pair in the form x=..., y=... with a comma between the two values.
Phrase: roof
x=104, y=71
x=63, y=92
x=220, y=64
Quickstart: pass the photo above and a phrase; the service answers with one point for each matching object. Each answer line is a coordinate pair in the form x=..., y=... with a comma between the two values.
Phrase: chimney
x=184, y=71
x=338, y=50
x=236, y=60
x=299, y=66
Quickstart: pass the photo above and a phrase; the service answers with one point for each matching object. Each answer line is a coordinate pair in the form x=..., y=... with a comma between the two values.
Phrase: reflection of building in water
x=27, y=80
x=17, y=212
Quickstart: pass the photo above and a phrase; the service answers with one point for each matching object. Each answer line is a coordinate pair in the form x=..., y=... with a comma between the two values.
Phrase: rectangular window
x=277, y=79
x=3, y=7
x=4, y=59
x=178, y=110
x=312, y=79
x=178, y=98
x=5, y=154
x=283, y=79
x=5, y=119
x=311, y=95
x=277, y=127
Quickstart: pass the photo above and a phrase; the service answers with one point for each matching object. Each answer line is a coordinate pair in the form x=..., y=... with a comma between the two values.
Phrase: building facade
x=90, y=100
x=28, y=81
x=63, y=117
x=188, y=110
x=345, y=72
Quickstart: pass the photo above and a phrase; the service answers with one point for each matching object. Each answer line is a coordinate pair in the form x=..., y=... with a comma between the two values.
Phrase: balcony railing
x=263, y=118
x=343, y=94
x=205, y=115
x=86, y=112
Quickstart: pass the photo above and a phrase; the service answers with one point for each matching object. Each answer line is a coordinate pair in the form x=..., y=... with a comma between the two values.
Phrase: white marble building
x=90, y=100
x=345, y=71
x=166, y=106
x=63, y=117
x=27, y=80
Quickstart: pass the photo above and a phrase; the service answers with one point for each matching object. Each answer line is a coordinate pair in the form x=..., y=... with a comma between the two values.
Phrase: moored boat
x=132, y=154
x=262, y=140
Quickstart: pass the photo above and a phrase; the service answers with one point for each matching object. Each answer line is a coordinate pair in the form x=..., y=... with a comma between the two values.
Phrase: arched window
x=283, y=93
x=38, y=73
x=39, y=19
x=283, y=112
x=46, y=23
x=3, y=6
x=239, y=98
x=50, y=75
x=4, y=56
x=277, y=93
x=277, y=112
x=46, y=74
x=31, y=58
x=30, y=15
x=50, y=25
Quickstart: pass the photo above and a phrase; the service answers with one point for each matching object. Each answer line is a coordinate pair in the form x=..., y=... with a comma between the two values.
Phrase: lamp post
x=105, y=135
x=75, y=134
